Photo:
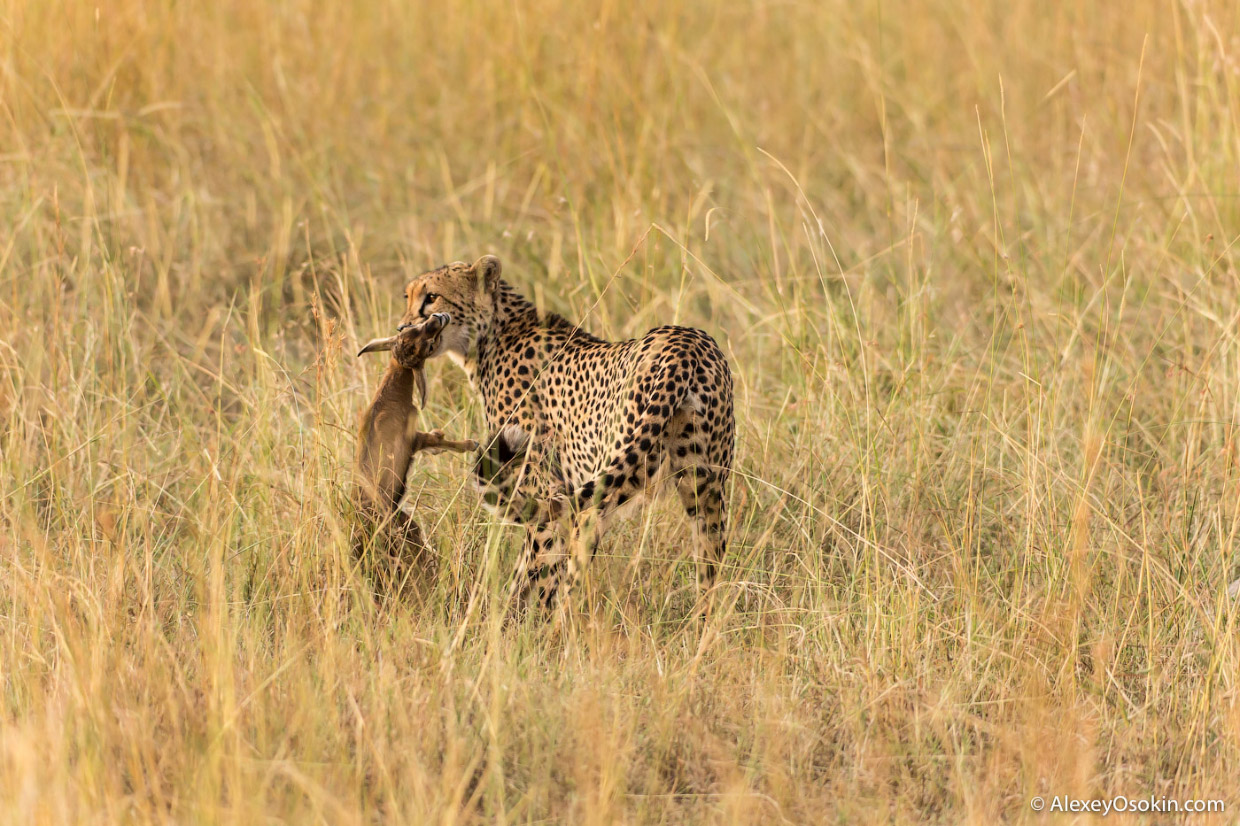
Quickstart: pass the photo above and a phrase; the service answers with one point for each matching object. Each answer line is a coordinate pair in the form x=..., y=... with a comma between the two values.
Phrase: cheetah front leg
x=516, y=477
x=538, y=565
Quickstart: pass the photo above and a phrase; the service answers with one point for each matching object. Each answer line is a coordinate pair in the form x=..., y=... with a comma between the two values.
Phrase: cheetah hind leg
x=701, y=493
x=639, y=456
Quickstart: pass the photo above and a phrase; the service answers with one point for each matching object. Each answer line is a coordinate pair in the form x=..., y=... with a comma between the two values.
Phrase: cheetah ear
x=486, y=270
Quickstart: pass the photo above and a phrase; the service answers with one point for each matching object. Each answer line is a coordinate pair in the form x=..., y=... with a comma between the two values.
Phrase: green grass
x=975, y=267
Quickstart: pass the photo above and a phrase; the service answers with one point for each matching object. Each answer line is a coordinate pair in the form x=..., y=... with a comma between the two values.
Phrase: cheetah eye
x=428, y=300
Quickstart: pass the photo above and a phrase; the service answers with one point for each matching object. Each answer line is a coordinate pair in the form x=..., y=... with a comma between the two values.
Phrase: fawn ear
x=420, y=380
x=486, y=270
x=378, y=344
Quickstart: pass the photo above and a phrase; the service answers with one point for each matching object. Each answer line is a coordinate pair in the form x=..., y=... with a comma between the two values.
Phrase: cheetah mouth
x=432, y=326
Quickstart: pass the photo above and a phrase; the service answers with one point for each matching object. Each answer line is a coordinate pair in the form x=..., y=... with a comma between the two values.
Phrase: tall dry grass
x=976, y=269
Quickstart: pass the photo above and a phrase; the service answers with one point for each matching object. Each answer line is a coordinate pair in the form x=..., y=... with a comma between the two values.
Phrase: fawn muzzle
x=431, y=326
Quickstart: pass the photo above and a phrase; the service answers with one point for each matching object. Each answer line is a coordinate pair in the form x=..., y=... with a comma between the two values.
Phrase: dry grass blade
x=976, y=270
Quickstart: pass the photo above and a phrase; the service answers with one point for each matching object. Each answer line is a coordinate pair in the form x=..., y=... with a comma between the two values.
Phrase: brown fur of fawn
x=386, y=539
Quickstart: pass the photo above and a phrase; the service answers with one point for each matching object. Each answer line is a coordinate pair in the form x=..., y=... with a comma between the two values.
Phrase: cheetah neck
x=513, y=312
x=512, y=308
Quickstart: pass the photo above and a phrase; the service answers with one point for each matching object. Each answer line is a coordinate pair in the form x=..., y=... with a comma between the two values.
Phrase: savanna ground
x=975, y=266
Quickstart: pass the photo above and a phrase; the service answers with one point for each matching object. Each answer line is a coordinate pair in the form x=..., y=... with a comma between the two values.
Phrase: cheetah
x=579, y=426
x=386, y=535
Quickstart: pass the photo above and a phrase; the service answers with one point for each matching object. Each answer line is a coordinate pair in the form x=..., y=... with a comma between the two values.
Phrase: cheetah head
x=466, y=292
